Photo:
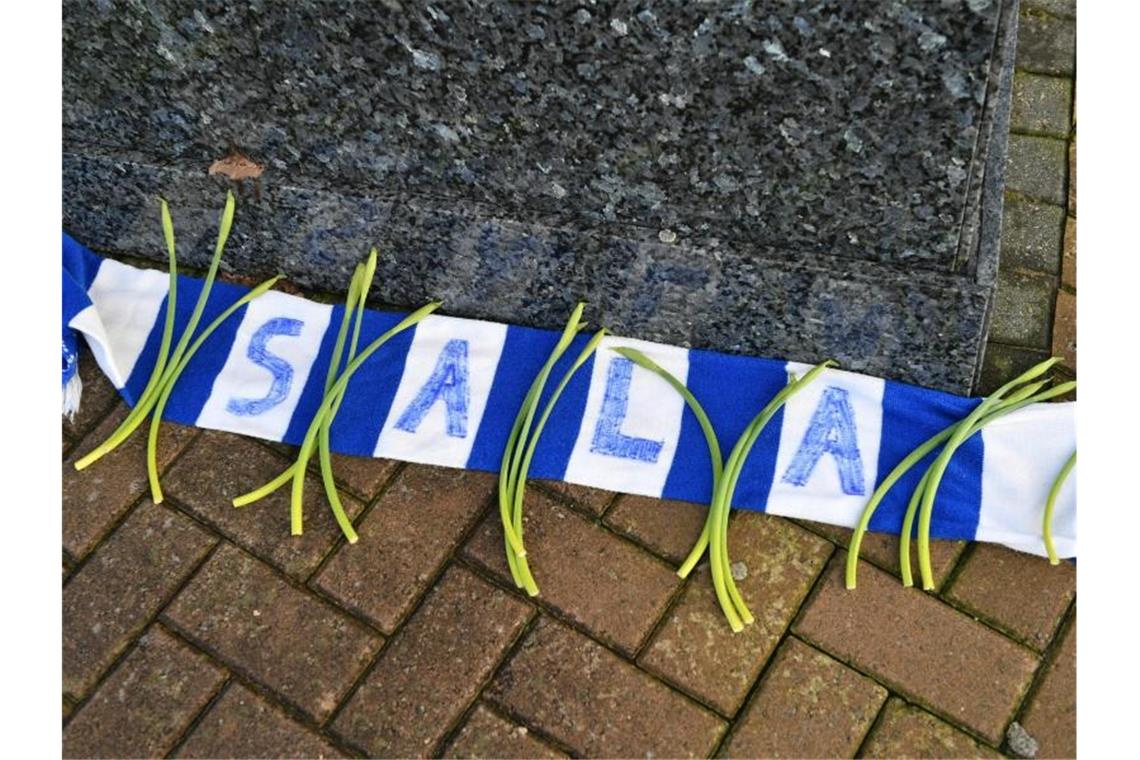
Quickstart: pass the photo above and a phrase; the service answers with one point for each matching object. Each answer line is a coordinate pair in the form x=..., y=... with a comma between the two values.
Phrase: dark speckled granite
x=794, y=179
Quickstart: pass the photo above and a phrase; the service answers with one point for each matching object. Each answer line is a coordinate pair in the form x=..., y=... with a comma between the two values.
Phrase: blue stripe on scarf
x=910, y=416
x=371, y=390
x=732, y=390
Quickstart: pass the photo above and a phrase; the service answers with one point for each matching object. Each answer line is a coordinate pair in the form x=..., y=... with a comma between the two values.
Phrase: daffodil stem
x=176, y=370
x=147, y=401
x=513, y=453
x=296, y=513
x=1050, y=503
x=532, y=444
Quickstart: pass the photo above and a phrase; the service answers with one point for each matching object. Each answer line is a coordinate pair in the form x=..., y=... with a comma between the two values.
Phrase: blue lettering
x=831, y=431
x=448, y=382
x=608, y=438
x=281, y=370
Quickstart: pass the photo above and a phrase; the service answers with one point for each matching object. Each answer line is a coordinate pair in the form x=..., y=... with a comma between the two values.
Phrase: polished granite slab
x=793, y=179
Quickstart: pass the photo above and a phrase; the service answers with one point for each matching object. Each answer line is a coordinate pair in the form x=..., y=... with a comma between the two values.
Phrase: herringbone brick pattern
x=194, y=628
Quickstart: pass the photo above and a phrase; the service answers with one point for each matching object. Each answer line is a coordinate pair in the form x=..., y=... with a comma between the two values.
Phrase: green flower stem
x=330, y=377
x=938, y=468
x=880, y=492
x=342, y=333
x=364, y=282
x=532, y=445
x=152, y=385
x=725, y=586
x=715, y=457
x=902, y=468
x=169, y=382
x=260, y=493
x=296, y=512
x=143, y=408
x=508, y=467
x=1016, y=400
x=1023, y=397
x=908, y=527
x=1050, y=503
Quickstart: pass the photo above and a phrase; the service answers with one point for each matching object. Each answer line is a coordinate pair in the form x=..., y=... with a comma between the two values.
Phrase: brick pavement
x=193, y=629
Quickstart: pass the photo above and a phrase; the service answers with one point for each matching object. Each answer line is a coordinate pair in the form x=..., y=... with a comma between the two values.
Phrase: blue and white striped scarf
x=446, y=393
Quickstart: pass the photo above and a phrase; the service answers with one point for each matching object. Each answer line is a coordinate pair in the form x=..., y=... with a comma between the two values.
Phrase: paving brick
x=606, y=584
x=1022, y=307
x=237, y=465
x=1003, y=363
x=1035, y=167
x=486, y=734
x=1031, y=235
x=97, y=399
x=404, y=540
x=1069, y=254
x=696, y=649
x=883, y=550
x=242, y=724
x=146, y=704
x=1041, y=104
x=1051, y=717
x=1065, y=329
x=1046, y=44
x=95, y=499
x=364, y=476
x=124, y=584
x=919, y=646
x=808, y=705
x=669, y=528
x=434, y=668
x=279, y=636
x=909, y=731
x=592, y=500
x=1019, y=592
x=587, y=698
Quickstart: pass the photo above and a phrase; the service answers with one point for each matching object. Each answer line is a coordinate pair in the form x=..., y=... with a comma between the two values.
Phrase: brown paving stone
x=434, y=668
x=1065, y=329
x=486, y=734
x=1019, y=592
x=668, y=527
x=404, y=540
x=236, y=465
x=883, y=550
x=243, y=724
x=1069, y=254
x=280, y=636
x=593, y=500
x=363, y=475
x=97, y=399
x=589, y=699
x=909, y=731
x=808, y=705
x=603, y=582
x=919, y=646
x=124, y=584
x=1051, y=717
x=95, y=498
x=696, y=649
x=146, y=704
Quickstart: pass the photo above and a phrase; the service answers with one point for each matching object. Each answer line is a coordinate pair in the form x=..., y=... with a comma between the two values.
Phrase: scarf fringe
x=72, y=391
